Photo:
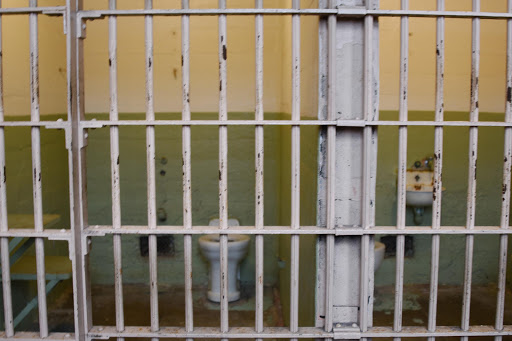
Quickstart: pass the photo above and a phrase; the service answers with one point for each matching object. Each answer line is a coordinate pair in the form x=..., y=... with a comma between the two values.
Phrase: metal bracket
x=64, y=125
x=66, y=235
x=81, y=23
x=351, y=11
x=351, y=123
x=92, y=124
x=346, y=331
x=56, y=13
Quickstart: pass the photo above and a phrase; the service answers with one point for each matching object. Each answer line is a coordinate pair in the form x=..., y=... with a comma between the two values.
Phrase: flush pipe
x=418, y=212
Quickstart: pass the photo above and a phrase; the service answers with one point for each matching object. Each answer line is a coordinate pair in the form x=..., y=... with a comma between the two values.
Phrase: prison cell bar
x=223, y=171
x=321, y=216
x=505, y=199
x=150, y=165
x=36, y=168
x=295, y=174
x=473, y=148
x=356, y=11
x=103, y=332
x=187, y=176
x=114, y=167
x=438, y=170
x=4, y=227
x=259, y=162
x=368, y=216
x=331, y=167
x=402, y=167
x=339, y=123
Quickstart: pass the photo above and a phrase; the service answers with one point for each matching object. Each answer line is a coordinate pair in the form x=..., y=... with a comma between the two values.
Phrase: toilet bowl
x=237, y=250
x=380, y=249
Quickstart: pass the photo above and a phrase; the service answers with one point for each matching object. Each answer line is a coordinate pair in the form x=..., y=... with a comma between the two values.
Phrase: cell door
x=257, y=119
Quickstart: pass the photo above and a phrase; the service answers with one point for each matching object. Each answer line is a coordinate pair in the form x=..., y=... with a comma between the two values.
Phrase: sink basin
x=419, y=197
x=419, y=188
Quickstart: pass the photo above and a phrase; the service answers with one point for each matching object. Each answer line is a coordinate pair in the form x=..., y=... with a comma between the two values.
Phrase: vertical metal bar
x=321, y=216
x=473, y=148
x=259, y=152
x=150, y=161
x=77, y=171
x=4, y=246
x=36, y=167
x=402, y=166
x=223, y=171
x=114, y=164
x=367, y=206
x=331, y=167
x=505, y=200
x=187, y=177
x=295, y=195
x=438, y=170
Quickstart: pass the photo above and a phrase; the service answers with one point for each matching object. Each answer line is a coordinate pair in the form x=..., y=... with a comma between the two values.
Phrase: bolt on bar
x=223, y=171
x=438, y=171
x=114, y=164
x=331, y=168
x=368, y=209
x=259, y=145
x=505, y=199
x=187, y=175
x=36, y=165
x=150, y=164
x=4, y=227
x=473, y=148
x=295, y=167
x=402, y=167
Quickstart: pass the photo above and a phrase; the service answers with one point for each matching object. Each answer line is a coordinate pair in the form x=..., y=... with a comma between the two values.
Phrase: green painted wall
x=204, y=193
x=241, y=195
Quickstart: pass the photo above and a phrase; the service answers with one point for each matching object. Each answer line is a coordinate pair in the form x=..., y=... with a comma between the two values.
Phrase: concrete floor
x=171, y=301
x=449, y=309
x=171, y=308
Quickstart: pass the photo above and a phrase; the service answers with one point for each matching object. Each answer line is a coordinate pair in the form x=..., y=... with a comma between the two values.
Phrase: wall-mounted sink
x=419, y=191
x=419, y=197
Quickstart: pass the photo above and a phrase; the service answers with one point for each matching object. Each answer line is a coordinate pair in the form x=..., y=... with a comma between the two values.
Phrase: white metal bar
x=505, y=200
x=104, y=332
x=438, y=171
x=295, y=168
x=36, y=167
x=402, y=167
x=340, y=123
x=187, y=175
x=114, y=165
x=150, y=162
x=259, y=159
x=331, y=167
x=367, y=207
x=223, y=170
x=102, y=230
x=50, y=10
x=356, y=11
x=4, y=227
x=473, y=148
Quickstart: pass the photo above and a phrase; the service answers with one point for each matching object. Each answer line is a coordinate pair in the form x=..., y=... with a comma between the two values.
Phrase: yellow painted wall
x=458, y=58
x=240, y=36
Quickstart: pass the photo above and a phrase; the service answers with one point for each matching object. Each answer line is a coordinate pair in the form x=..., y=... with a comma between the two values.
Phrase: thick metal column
x=78, y=203
x=355, y=73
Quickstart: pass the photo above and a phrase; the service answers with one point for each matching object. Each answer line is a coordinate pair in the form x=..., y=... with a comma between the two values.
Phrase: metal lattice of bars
x=331, y=14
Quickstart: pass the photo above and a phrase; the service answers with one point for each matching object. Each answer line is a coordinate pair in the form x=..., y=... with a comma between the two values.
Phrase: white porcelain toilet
x=380, y=249
x=237, y=250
